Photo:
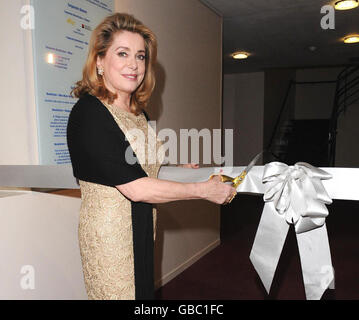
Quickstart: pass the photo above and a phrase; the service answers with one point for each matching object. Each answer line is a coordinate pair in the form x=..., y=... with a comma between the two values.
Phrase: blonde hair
x=101, y=40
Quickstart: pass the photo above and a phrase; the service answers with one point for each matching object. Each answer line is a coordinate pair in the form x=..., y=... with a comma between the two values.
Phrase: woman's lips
x=132, y=77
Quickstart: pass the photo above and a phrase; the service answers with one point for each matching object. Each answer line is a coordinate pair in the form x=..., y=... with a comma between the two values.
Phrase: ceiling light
x=346, y=4
x=50, y=58
x=240, y=55
x=352, y=39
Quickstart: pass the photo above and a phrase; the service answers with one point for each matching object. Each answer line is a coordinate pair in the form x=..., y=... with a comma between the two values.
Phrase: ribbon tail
x=268, y=244
x=318, y=272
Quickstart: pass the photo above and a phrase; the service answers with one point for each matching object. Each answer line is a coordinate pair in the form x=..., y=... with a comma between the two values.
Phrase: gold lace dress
x=106, y=232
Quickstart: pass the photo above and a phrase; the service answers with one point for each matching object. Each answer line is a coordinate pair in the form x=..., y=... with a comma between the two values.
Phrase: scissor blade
x=239, y=179
x=253, y=162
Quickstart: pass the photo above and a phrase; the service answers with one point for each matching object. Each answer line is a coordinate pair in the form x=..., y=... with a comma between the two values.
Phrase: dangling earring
x=100, y=71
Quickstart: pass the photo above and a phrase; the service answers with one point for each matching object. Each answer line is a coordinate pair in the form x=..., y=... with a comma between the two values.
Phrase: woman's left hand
x=189, y=165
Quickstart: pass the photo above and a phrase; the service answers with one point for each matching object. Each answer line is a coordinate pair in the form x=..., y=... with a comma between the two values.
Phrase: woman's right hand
x=217, y=191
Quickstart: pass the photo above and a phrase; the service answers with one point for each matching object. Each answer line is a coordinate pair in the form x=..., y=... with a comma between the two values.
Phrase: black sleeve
x=97, y=146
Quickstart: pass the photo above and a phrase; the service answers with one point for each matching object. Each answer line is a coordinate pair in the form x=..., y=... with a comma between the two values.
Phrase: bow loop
x=297, y=193
x=314, y=172
x=274, y=170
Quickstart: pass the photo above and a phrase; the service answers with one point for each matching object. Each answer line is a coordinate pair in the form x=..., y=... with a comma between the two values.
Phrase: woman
x=117, y=218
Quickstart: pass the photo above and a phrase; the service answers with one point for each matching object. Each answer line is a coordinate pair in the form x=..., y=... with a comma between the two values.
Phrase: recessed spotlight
x=346, y=4
x=351, y=39
x=50, y=58
x=240, y=55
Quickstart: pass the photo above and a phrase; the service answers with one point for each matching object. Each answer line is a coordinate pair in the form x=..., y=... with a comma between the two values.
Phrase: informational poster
x=61, y=38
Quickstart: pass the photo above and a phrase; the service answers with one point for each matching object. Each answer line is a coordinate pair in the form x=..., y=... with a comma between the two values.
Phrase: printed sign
x=61, y=36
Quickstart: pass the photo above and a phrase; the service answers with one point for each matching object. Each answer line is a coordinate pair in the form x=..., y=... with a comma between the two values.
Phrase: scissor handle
x=235, y=181
x=223, y=178
x=238, y=180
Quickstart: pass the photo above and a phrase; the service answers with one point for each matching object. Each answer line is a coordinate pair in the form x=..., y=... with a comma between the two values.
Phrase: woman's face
x=124, y=64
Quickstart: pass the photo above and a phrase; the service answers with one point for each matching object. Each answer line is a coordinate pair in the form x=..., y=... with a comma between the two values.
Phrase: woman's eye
x=122, y=54
x=141, y=57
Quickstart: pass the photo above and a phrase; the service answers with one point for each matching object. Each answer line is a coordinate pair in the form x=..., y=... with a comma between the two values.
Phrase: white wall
x=40, y=255
x=18, y=136
x=243, y=111
x=187, y=95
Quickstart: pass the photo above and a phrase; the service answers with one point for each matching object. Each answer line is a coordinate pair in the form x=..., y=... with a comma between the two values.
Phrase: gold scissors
x=239, y=179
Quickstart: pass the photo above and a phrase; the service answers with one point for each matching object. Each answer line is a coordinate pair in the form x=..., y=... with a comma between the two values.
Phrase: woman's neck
x=123, y=101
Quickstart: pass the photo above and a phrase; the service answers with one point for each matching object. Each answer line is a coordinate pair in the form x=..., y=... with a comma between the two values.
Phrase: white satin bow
x=294, y=195
x=297, y=193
